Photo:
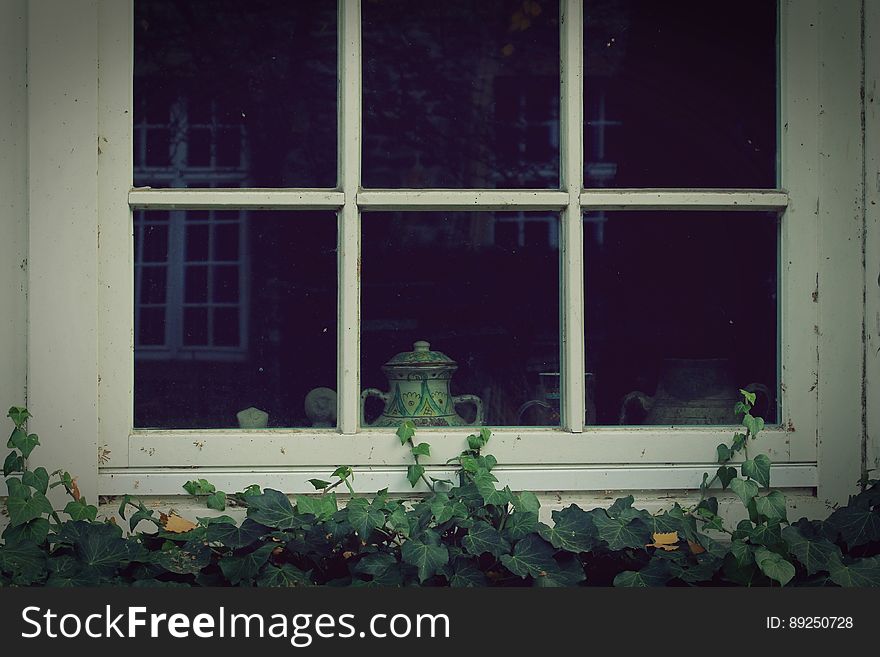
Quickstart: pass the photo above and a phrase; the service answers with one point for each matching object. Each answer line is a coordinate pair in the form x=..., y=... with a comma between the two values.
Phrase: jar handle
x=644, y=401
x=366, y=394
x=476, y=401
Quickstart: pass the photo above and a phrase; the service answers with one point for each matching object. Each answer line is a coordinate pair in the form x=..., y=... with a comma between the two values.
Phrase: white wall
x=13, y=205
x=872, y=238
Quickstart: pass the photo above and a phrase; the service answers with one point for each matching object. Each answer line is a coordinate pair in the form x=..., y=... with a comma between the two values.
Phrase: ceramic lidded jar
x=418, y=390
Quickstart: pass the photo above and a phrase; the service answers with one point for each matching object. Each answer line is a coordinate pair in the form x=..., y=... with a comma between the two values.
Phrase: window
x=583, y=209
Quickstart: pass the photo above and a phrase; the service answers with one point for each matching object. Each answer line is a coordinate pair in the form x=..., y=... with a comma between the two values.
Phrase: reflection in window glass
x=247, y=319
x=681, y=312
x=680, y=94
x=231, y=94
x=481, y=288
x=461, y=94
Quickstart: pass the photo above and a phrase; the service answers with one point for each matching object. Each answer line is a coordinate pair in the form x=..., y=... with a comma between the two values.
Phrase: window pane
x=680, y=94
x=491, y=306
x=461, y=94
x=264, y=337
x=246, y=90
x=152, y=326
x=681, y=312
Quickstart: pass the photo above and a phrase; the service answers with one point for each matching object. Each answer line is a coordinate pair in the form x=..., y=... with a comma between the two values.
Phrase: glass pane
x=155, y=243
x=258, y=333
x=226, y=242
x=246, y=90
x=196, y=285
x=491, y=306
x=226, y=331
x=197, y=242
x=461, y=94
x=680, y=94
x=152, y=285
x=195, y=326
x=681, y=312
x=225, y=284
x=152, y=326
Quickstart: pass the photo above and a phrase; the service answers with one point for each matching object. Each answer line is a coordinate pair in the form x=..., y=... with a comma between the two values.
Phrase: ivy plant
x=467, y=531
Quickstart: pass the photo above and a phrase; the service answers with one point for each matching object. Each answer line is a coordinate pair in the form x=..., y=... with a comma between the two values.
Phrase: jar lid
x=421, y=355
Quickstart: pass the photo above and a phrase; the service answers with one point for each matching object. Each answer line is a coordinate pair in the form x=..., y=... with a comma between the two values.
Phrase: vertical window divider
x=348, y=217
x=572, y=168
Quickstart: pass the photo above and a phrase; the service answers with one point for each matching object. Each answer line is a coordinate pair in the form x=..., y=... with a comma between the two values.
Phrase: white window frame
x=573, y=457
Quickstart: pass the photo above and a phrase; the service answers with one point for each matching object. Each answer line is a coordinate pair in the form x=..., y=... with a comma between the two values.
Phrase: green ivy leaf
x=854, y=525
x=483, y=537
x=253, y=489
x=566, y=574
x=485, y=483
x=322, y=507
x=66, y=573
x=34, y=531
x=363, y=517
x=573, y=530
x=772, y=506
x=414, y=474
x=620, y=505
x=217, y=501
x=814, y=553
x=342, y=472
x=319, y=484
x=741, y=408
x=531, y=556
x=769, y=534
x=724, y=453
x=272, y=509
x=739, y=441
x=284, y=576
x=625, y=531
x=406, y=431
x=758, y=469
x=13, y=463
x=422, y=449
x=520, y=524
x=143, y=513
x=38, y=479
x=726, y=474
x=858, y=573
x=774, y=566
x=745, y=489
x=23, y=508
x=199, y=487
x=244, y=568
x=754, y=424
x=24, y=561
x=656, y=573
x=668, y=521
x=182, y=561
x=18, y=415
x=466, y=573
x=742, y=552
x=15, y=437
x=399, y=521
x=374, y=564
x=80, y=510
x=25, y=443
x=100, y=548
x=425, y=553
x=748, y=396
x=236, y=536
x=527, y=501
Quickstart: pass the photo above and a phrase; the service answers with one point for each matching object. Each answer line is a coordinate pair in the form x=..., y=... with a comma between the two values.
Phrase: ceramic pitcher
x=418, y=390
x=694, y=391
